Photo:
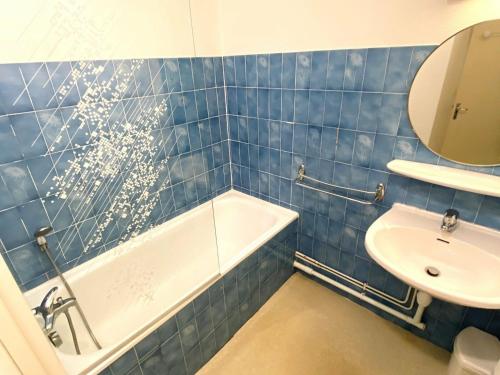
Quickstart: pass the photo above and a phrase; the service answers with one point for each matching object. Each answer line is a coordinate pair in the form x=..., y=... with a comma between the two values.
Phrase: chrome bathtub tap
x=450, y=220
x=49, y=310
x=51, y=307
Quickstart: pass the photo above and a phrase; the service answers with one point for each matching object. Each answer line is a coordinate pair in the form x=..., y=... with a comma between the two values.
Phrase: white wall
x=207, y=26
x=55, y=30
x=261, y=26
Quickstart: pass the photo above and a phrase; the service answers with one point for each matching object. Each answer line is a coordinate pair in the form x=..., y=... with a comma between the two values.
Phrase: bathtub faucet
x=51, y=307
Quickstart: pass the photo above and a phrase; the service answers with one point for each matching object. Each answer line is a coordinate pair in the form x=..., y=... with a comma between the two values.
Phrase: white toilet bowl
x=475, y=353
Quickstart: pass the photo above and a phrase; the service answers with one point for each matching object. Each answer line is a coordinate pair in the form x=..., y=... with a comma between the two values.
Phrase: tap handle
x=49, y=299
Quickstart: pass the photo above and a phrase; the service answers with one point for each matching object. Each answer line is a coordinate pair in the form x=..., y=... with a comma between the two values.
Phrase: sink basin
x=462, y=267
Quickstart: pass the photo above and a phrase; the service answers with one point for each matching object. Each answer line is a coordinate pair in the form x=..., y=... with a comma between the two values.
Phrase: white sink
x=407, y=240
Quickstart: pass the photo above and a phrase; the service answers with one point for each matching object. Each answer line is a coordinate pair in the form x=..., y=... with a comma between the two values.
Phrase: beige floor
x=306, y=328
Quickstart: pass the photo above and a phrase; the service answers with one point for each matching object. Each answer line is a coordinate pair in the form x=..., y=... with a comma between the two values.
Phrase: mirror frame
x=408, y=101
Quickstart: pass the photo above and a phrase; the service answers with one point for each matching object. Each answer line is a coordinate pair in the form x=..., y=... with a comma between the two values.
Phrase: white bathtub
x=129, y=291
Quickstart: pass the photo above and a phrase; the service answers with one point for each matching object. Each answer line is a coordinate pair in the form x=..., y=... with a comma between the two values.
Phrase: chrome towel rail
x=378, y=193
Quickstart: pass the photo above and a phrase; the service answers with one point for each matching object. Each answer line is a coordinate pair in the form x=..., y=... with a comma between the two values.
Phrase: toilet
x=475, y=353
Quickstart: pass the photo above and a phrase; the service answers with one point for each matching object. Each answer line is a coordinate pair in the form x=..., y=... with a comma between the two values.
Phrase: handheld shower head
x=43, y=231
x=40, y=236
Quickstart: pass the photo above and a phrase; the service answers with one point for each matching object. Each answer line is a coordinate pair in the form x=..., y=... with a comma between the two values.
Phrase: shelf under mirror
x=459, y=179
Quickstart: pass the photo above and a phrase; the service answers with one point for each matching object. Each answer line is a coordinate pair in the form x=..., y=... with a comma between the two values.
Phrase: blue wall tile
x=275, y=70
x=376, y=65
x=397, y=78
x=354, y=69
x=263, y=71
x=303, y=70
x=288, y=71
x=335, y=70
x=14, y=97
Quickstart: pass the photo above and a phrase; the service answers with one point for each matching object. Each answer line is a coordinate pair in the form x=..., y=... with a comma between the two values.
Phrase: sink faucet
x=51, y=307
x=450, y=220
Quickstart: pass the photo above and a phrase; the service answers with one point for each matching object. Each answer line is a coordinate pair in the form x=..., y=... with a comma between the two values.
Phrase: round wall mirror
x=454, y=101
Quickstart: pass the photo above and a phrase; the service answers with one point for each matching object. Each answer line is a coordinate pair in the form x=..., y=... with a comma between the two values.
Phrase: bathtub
x=132, y=289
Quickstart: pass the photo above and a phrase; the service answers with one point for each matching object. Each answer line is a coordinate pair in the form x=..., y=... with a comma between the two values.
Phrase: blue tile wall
x=192, y=134
x=343, y=114
x=185, y=342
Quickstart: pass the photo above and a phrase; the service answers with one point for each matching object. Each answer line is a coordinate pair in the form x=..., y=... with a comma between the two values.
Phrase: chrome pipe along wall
x=424, y=300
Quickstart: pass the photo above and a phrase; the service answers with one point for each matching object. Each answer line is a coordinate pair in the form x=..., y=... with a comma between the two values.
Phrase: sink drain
x=432, y=271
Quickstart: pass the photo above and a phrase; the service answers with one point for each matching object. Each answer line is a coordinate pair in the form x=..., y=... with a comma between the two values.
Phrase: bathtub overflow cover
x=432, y=271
